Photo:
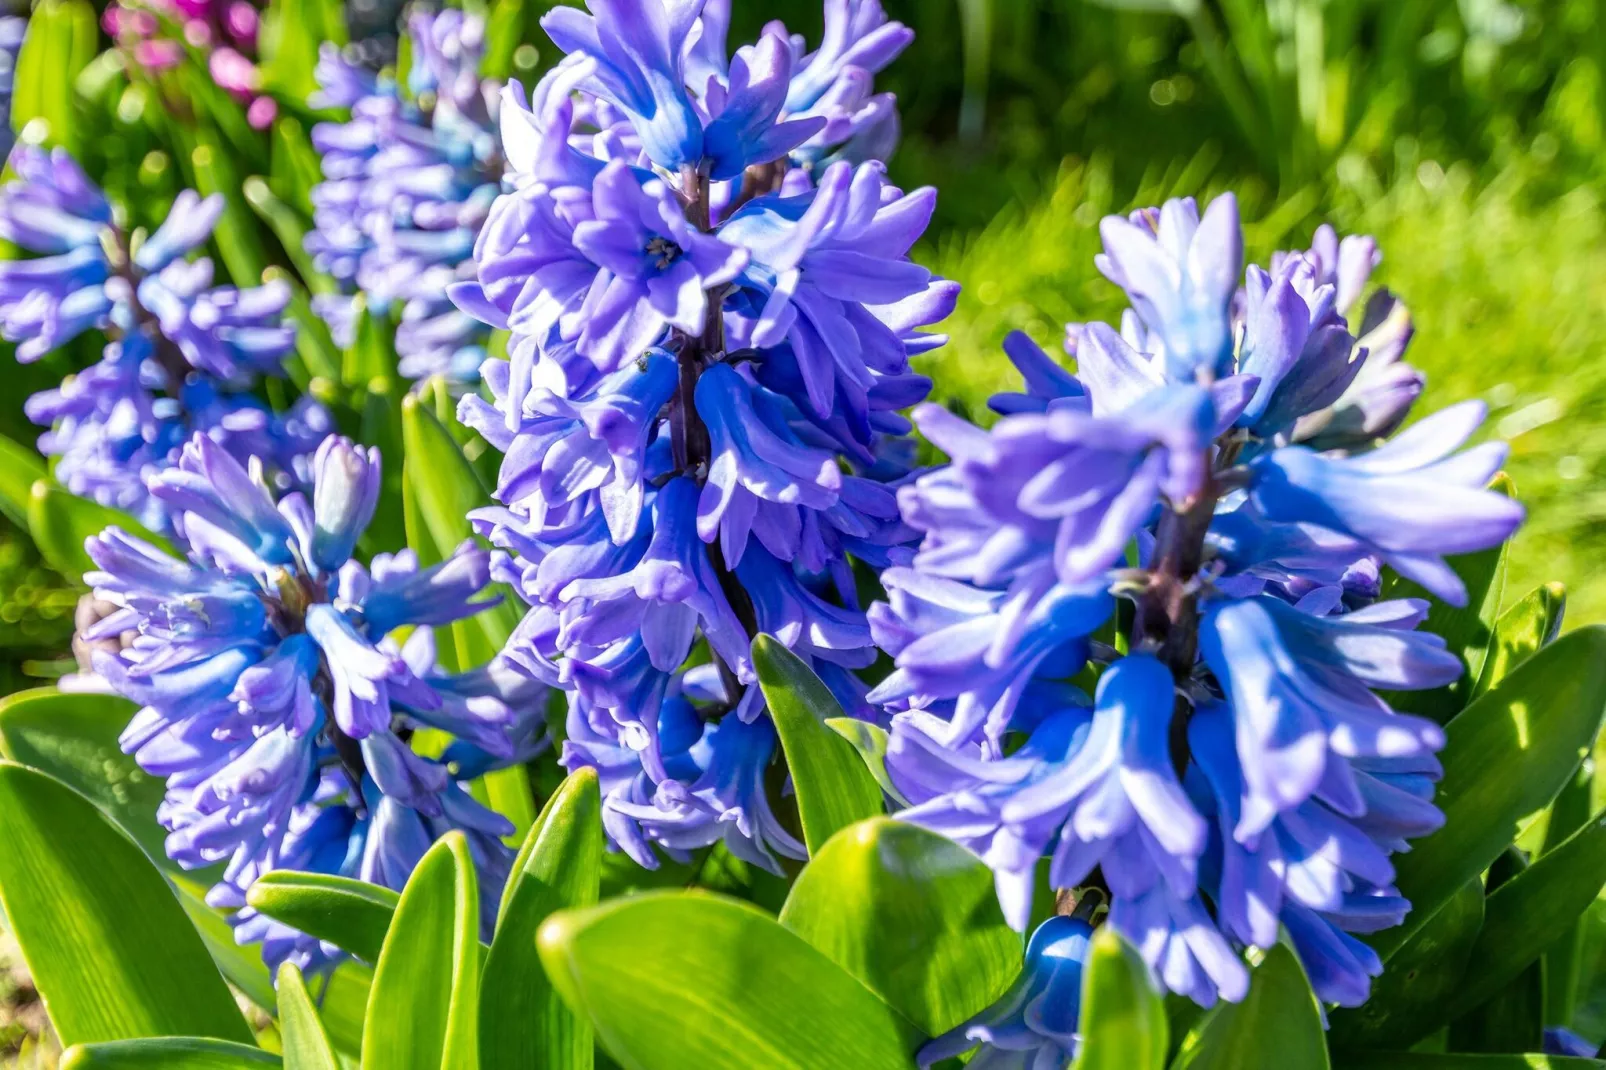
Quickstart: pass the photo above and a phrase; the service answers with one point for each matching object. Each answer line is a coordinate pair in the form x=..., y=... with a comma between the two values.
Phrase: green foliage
x=1277, y=1025
x=1123, y=1021
x=351, y=914
x=167, y=1053
x=306, y=1044
x=911, y=915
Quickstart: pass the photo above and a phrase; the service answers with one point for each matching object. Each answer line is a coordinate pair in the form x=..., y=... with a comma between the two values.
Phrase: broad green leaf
x=762, y=996
x=291, y=31
x=1506, y=756
x=870, y=740
x=1522, y=630
x=1533, y=910
x=441, y=488
x=306, y=1045
x=1276, y=1027
x=109, y=947
x=423, y=1008
x=912, y=915
x=1412, y=997
x=1123, y=1019
x=523, y=1020
x=1510, y=1021
x=1564, y=958
x=73, y=737
x=1407, y=1060
x=832, y=785
x=1468, y=630
x=60, y=522
x=20, y=469
x=167, y=1053
x=295, y=168
x=372, y=353
x=61, y=40
x=351, y=914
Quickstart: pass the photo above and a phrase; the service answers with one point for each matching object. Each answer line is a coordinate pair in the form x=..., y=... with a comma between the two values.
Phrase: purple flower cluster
x=275, y=702
x=408, y=181
x=1225, y=767
x=182, y=352
x=712, y=313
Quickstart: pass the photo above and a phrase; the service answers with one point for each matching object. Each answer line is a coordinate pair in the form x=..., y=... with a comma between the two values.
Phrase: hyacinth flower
x=182, y=354
x=157, y=34
x=408, y=180
x=276, y=704
x=710, y=333
x=1223, y=763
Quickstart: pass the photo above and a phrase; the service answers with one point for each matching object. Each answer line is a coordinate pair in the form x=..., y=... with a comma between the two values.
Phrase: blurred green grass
x=1506, y=283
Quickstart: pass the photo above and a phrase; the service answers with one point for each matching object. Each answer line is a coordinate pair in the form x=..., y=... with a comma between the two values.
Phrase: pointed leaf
x=306, y=1045
x=688, y=979
x=1412, y=997
x=523, y=1020
x=912, y=915
x=1507, y=756
x=291, y=229
x=1522, y=630
x=1278, y=1025
x=167, y=1053
x=423, y=1008
x=832, y=785
x=1510, y=1021
x=108, y=945
x=372, y=354
x=870, y=740
x=1410, y=1060
x=61, y=40
x=1124, y=1023
x=351, y=914
x=60, y=522
x=235, y=235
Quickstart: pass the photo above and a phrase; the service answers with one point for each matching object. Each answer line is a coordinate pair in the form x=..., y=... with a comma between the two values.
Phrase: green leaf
x=306, y=1045
x=441, y=488
x=20, y=469
x=290, y=228
x=422, y=1010
x=1409, y=1060
x=291, y=31
x=372, y=353
x=351, y=914
x=1522, y=630
x=682, y=979
x=870, y=740
x=1277, y=1026
x=1412, y=997
x=61, y=40
x=73, y=737
x=381, y=427
x=294, y=167
x=912, y=915
x=167, y=1053
x=1512, y=1020
x=108, y=945
x=235, y=234
x=60, y=522
x=320, y=357
x=1564, y=959
x=523, y=1020
x=1123, y=1019
x=1506, y=756
x=1533, y=910
x=832, y=785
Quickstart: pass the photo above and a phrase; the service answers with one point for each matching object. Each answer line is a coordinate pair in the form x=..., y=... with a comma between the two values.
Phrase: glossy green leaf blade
x=833, y=787
x=20, y=469
x=60, y=42
x=60, y=522
x=1506, y=756
x=1409, y=1060
x=1533, y=910
x=1521, y=631
x=1124, y=1024
x=870, y=740
x=351, y=914
x=761, y=997
x=167, y=1053
x=1511, y=1021
x=1277, y=1026
x=306, y=1045
x=912, y=915
x=1412, y=998
x=73, y=737
x=523, y=1020
x=422, y=1010
x=109, y=947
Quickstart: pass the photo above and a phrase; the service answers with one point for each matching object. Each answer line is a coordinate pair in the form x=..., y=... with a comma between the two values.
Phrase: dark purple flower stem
x=689, y=436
